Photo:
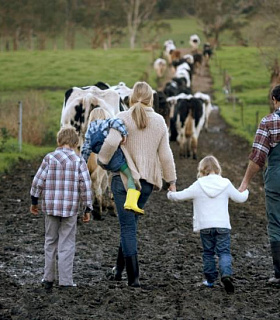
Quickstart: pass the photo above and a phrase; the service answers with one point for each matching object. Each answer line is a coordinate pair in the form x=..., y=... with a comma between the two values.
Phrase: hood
x=213, y=184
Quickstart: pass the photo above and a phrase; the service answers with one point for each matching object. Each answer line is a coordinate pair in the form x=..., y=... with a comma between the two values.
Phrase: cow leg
x=194, y=147
x=189, y=147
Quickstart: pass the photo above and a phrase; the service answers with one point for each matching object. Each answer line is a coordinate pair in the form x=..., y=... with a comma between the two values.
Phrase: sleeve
x=109, y=146
x=166, y=158
x=261, y=145
x=236, y=195
x=86, y=148
x=39, y=181
x=186, y=194
x=85, y=185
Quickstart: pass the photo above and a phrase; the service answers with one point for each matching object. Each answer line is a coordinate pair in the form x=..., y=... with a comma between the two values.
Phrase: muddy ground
x=169, y=251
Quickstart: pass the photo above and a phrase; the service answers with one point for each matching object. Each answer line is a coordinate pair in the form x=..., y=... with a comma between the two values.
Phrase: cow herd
x=185, y=112
x=189, y=111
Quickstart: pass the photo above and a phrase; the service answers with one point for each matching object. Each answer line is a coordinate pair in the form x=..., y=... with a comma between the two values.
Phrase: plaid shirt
x=267, y=137
x=104, y=126
x=62, y=181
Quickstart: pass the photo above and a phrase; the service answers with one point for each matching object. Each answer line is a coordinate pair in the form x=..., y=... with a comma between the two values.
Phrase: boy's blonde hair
x=98, y=114
x=208, y=165
x=67, y=135
x=142, y=96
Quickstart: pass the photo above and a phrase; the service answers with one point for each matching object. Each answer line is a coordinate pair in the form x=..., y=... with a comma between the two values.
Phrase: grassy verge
x=247, y=102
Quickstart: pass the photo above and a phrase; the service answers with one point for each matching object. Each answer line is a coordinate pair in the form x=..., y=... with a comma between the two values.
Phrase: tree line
x=31, y=24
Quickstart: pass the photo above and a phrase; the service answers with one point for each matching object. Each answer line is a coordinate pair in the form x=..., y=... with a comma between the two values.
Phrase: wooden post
x=20, y=126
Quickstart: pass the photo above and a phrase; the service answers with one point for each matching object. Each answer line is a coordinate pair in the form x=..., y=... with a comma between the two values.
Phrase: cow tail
x=189, y=125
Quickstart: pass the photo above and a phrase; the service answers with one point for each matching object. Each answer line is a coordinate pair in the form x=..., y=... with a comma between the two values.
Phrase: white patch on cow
x=160, y=67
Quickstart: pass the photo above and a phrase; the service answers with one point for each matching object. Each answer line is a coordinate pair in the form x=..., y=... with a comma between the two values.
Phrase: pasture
x=169, y=251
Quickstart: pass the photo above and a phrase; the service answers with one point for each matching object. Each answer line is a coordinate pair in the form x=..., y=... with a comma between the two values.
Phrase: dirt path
x=169, y=252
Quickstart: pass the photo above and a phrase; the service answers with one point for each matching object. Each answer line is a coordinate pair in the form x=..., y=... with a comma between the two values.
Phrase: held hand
x=86, y=217
x=172, y=187
x=34, y=209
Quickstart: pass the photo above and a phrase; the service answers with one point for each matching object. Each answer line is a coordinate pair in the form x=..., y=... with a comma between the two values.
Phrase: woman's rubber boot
x=118, y=269
x=132, y=269
x=131, y=201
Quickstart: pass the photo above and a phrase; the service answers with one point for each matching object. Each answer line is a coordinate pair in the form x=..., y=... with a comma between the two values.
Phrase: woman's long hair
x=141, y=97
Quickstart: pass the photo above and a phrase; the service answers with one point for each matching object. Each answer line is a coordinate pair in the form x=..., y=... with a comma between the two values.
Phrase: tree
x=137, y=12
x=267, y=39
x=220, y=15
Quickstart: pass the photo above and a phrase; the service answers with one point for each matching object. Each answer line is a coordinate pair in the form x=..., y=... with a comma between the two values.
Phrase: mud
x=169, y=252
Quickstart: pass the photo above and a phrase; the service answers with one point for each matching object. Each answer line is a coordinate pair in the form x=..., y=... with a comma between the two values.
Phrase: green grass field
x=25, y=76
x=249, y=85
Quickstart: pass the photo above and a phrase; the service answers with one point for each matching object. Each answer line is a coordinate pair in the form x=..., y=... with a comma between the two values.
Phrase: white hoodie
x=210, y=196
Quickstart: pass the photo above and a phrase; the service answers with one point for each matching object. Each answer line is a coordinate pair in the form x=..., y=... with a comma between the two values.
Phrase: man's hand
x=34, y=209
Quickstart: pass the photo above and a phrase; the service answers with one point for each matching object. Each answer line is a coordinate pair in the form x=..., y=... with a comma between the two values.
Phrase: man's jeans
x=216, y=241
x=128, y=219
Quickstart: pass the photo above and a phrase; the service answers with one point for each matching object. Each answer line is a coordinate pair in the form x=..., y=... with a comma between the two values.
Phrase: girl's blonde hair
x=142, y=96
x=208, y=165
x=98, y=114
x=67, y=135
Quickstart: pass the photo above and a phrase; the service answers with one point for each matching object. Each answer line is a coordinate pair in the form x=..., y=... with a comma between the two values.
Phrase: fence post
x=20, y=126
x=242, y=113
x=257, y=119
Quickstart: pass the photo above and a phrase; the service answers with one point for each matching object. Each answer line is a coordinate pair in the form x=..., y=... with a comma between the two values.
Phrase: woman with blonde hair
x=150, y=160
x=210, y=195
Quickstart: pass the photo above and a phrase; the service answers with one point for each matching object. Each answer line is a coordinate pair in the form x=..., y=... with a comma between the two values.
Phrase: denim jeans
x=216, y=241
x=128, y=219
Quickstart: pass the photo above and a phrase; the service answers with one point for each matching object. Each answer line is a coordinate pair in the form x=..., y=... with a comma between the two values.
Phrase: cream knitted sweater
x=147, y=151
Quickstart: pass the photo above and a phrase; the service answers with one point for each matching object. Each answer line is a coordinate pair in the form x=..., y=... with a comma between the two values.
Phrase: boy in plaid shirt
x=62, y=181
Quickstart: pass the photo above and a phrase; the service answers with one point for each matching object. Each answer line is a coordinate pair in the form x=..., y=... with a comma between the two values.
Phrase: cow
x=79, y=102
x=124, y=92
x=160, y=67
x=194, y=42
x=190, y=118
x=183, y=70
x=168, y=48
x=172, y=102
x=162, y=107
x=100, y=186
x=208, y=106
x=207, y=52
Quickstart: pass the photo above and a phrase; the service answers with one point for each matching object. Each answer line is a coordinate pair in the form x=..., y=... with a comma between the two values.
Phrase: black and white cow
x=79, y=102
x=189, y=118
x=208, y=106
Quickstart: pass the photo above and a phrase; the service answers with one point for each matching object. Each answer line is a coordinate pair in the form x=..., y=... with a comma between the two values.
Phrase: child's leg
x=223, y=251
x=66, y=250
x=209, y=264
x=132, y=194
x=51, y=240
x=130, y=182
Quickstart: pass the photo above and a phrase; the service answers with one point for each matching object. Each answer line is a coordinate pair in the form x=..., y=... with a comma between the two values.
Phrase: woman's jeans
x=128, y=219
x=216, y=241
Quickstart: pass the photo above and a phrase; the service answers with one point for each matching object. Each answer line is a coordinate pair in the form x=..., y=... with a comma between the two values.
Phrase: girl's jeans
x=216, y=241
x=128, y=219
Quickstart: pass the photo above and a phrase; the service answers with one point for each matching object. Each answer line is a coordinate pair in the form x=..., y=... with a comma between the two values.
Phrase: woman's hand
x=172, y=187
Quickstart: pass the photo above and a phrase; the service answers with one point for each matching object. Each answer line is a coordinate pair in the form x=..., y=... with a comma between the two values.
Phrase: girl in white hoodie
x=210, y=195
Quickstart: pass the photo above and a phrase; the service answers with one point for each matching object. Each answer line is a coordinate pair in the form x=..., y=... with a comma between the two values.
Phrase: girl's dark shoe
x=229, y=287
